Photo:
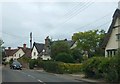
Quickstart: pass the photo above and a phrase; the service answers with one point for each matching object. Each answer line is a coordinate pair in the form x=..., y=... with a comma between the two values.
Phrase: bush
x=24, y=59
x=60, y=67
x=33, y=63
x=69, y=68
x=90, y=67
x=50, y=66
x=113, y=72
x=11, y=61
x=100, y=67
x=64, y=57
x=76, y=54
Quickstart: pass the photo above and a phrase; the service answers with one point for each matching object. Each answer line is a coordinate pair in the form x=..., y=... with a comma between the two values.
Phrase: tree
x=64, y=57
x=76, y=54
x=59, y=47
x=1, y=49
x=89, y=41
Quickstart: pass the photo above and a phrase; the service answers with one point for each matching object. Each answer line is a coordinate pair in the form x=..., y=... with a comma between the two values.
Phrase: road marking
x=41, y=81
x=28, y=75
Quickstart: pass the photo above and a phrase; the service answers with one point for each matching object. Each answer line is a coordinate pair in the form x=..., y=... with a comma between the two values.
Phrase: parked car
x=16, y=65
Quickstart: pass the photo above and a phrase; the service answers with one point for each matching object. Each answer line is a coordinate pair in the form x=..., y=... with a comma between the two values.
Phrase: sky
x=56, y=19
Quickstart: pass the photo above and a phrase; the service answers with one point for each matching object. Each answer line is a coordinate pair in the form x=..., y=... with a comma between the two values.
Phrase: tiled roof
x=39, y=46
x=10, y=52
x=27, y=52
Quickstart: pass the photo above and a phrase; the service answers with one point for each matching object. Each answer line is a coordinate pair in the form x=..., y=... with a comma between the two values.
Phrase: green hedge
x=60, y=67
x=33, y=63
x=100, y=67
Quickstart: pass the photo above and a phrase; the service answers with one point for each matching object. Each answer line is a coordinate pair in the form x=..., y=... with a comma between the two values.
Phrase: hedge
x=58, y=67
x=100, y=67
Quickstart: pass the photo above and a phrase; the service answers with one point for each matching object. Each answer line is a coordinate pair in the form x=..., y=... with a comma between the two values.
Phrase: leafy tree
x=1, y=49
x=89, y=41
x=59, y=47
x=76, y=54
x=64, y=57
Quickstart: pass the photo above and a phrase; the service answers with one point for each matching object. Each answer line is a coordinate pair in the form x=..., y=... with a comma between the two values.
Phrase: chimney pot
x=24, y=46
x=65, y=40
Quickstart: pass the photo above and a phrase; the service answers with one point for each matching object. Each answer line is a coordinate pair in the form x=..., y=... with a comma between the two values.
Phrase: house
x=41, y=50
x=37, y=50
x=44, y=50
x=9, y=53
x=112, y=40
x=17, y=53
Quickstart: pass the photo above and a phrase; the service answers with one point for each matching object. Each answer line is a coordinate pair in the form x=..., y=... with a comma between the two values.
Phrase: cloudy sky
x=59, y=20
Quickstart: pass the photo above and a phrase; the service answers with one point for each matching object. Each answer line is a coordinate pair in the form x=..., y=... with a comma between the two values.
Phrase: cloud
x=49, y=18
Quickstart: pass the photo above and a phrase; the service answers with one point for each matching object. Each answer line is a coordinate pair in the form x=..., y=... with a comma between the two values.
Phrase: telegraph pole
x=30, y=39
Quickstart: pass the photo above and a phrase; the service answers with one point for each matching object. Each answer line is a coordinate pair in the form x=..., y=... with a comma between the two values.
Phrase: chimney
x=47, y=40
x=9, y=48
x=65, y=39
x=24, y=46
x=119, y=5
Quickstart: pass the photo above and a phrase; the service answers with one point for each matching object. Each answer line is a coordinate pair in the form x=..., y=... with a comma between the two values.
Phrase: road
x=34, y=76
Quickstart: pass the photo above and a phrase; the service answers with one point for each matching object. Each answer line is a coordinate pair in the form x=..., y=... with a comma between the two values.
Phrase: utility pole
x=30, y=39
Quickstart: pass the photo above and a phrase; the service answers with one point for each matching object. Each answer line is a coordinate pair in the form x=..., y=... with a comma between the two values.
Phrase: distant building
x=17, y=53
x=43, y=51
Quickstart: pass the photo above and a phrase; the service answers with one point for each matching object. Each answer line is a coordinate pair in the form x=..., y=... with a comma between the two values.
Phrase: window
x=19, y=55
x=118, y=36
x=34, y=53
x=111, y=52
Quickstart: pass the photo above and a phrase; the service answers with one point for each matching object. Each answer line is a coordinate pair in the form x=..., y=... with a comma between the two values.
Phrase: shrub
x=90, y=67
x=69, y=68
x=50, y=66
x=40, y=64
x=33, y=63
x=60, y=67
x=24, y=59
x=76, y=54
x=113, y=73
x=64, y=57
x=100, y=67
x=11, y=61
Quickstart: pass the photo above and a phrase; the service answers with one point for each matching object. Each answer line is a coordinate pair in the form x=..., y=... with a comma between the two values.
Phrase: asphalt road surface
x=33, y=76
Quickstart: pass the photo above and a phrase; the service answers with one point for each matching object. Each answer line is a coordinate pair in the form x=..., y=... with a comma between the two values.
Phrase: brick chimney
x=9, y=48
x=119, y=5
x=24, y=46
x=65, y=39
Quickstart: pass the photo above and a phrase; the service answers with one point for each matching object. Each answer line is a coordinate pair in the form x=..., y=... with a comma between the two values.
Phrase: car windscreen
x=16, y=63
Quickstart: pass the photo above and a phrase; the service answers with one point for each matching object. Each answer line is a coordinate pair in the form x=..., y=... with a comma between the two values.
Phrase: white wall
x=18, y=54
x=45, y=57
x=113, y=42
x=8, y=58
x=74, y=45
x=32, y=53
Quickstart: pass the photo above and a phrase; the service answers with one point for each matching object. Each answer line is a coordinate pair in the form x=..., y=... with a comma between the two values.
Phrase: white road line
x=28, y=75
x=40, y=81
x=32, y=77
